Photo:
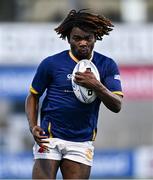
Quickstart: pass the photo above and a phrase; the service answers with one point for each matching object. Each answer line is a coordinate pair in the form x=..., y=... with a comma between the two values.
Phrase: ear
x=68, y=38
x=95, y=38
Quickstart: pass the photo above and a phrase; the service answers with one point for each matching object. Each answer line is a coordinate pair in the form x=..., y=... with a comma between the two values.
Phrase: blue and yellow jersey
x=62, y=114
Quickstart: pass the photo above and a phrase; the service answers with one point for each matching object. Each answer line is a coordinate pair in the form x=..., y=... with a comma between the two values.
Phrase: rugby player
x=64, y=138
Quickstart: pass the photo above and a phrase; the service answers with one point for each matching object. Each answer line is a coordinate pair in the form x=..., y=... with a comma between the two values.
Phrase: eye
x=89, y=38
x=76, y=38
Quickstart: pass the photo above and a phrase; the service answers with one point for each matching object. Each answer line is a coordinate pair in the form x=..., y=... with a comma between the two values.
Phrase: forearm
x=110, y=100
x=31, y=108
x=88, y=80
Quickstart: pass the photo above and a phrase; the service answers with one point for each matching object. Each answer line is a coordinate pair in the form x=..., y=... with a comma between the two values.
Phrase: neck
x=80, y=58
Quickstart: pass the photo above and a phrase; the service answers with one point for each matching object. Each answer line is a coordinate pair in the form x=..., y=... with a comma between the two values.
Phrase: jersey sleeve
x=41, y=79
x=112, y=79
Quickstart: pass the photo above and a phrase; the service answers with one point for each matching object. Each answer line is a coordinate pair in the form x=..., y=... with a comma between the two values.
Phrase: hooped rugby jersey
x=62, y=114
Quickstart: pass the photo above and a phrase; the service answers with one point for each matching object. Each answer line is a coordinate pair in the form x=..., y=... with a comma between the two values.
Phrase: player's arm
x=110, y=90
x=111, y=101
x=31, y=108
x=37, y=88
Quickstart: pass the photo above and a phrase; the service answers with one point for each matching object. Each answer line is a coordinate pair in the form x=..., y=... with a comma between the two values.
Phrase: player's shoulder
x=53, y=58
x=56, y=56
x=103, y=58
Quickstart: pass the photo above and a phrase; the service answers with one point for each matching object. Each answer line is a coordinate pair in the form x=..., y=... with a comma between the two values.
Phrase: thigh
x=45, y=169
x=74, y=170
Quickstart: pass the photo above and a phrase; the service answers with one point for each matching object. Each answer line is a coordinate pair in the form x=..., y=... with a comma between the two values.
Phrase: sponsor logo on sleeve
x=117, y=77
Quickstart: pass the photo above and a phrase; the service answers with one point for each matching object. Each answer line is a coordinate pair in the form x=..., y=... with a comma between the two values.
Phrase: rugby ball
x=83, y=94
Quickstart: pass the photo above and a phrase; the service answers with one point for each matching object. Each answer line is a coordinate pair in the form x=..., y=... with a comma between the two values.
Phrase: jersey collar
x=75, y=59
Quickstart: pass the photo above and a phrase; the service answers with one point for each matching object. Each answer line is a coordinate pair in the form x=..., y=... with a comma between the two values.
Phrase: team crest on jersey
x=117, y=76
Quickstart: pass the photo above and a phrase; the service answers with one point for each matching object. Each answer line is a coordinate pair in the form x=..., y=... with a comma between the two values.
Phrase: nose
x=83, y=43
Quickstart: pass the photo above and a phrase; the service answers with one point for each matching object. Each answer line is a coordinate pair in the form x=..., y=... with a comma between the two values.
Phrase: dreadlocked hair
x=97, y=24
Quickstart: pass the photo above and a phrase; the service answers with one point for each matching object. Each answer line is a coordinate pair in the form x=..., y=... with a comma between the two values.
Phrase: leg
x=74, y=170
x=45, y=169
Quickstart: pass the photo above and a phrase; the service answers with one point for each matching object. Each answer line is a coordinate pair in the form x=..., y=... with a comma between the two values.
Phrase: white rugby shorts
x=58, y=149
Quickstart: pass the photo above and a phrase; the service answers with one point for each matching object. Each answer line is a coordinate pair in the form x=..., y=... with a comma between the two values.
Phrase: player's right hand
x=39, y=136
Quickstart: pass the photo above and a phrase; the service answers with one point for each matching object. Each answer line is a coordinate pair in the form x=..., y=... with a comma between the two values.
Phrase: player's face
x=82, y=43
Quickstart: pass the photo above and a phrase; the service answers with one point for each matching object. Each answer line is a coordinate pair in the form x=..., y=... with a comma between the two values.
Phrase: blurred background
x=124, y=144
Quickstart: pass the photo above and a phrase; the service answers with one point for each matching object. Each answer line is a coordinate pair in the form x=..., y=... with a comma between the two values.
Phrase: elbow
x=117, y=108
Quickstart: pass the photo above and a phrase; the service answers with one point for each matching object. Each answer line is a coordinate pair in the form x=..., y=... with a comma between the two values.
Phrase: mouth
x=84, y=50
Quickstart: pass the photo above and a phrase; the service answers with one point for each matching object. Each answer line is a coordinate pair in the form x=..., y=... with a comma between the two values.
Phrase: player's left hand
x=86, y=79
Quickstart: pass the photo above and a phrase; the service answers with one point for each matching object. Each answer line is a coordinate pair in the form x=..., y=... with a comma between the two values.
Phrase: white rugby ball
x=83, y=94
